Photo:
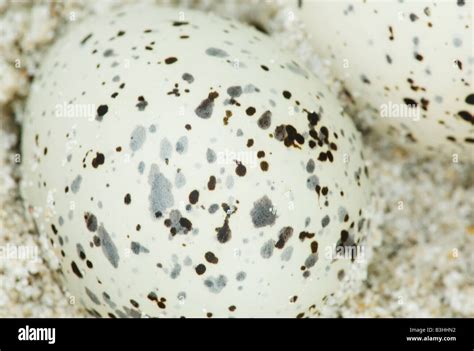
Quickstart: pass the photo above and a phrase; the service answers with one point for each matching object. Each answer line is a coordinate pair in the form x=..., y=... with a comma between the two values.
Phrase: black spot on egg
x=283, y=236
x=200, y=269
x=76, y=270
x=211, y=258
x=468, y=117
x=194, y=197
x=170, y=60
x=241, y=170
x=86, y=38
x=224, y=233
x=142, y=103
x=101, y=111
x=410, y=102
x=98, y=160
x=180, y=23
x=470, y=99
x=250, y=111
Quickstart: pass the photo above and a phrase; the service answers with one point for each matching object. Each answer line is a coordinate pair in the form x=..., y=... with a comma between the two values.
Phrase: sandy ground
x=422, y=263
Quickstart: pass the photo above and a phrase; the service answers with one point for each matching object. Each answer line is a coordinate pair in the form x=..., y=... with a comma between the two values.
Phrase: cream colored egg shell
x=215, y=177
x=390, y=53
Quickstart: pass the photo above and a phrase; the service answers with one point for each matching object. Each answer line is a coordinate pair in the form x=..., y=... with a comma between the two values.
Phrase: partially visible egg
x=411, y=61
x=213, y=175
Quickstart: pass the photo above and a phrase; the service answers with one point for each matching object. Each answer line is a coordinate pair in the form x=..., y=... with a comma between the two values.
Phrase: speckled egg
x=181, y=164
x=411, y=61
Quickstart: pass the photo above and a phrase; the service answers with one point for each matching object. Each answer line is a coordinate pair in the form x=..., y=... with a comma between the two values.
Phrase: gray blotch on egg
x=108, y=247
x=241, y=276
x=234, y=91
x=216, y=284
x=211, y=156
x=182, y=145
x=266, y=251
x=141, y=167
x=179, y=180
x=263, y=213
x=137, y=138
x=175, y=271
x=76, y=184
x=188, y=78
x=312, y=181
x=165, y=149
x=92, y=296
x=287, y=253
x=213, y=208
x=161, y=194
x=137, y=248
x=216, y=52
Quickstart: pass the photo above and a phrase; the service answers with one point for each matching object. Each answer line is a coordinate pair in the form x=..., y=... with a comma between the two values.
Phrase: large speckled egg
x=411, y=61
x=181, y=164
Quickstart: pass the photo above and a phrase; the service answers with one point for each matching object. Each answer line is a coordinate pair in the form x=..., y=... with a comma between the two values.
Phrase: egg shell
x=215, y=176
x=393, y=54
